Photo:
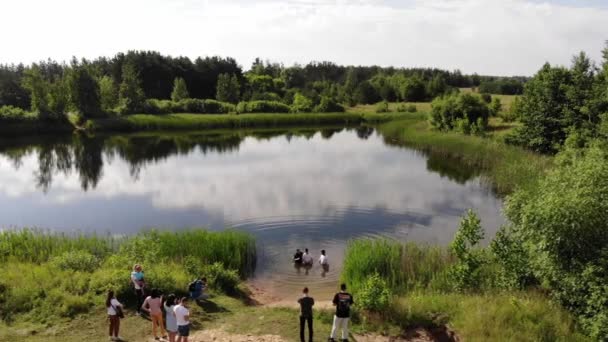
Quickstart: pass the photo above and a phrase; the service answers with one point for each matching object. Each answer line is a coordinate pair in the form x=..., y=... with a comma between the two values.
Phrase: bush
x=328, y=105
x=262, y=107
x=561, y=223
x=76, y=261
x=221, y=278
x=196, y=106
x=462, y=111
x=14, y=114
x=375, y=294
x=301, y=104
x=466, y=272
x=487, y=98
x=382, y=107
x=74, y=305
x=411, y=108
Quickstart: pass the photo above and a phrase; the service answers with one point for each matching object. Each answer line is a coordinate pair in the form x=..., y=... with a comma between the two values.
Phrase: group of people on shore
x=342, y=301
x=169, y=315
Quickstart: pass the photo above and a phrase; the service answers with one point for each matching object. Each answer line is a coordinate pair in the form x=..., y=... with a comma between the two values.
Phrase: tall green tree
x=180, y=90
x=228, y=88
x=131, y=95
x=84, y=91
x=38, y=89
x=108, y=93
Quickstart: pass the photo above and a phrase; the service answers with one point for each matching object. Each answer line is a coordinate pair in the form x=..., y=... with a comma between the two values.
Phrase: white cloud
x=484, y=36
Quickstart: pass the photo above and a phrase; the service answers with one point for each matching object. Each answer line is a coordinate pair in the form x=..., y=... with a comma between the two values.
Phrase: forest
x=151, y=83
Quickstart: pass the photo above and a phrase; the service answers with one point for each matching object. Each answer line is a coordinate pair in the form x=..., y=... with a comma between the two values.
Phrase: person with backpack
x=306, y=304
x=152, y=305
x=182, y=317
x=169, y=305
x=115, y=313
x=197, y=289
x=342, y=301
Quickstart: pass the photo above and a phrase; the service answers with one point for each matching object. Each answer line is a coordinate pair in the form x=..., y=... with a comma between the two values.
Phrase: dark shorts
x=183, y=330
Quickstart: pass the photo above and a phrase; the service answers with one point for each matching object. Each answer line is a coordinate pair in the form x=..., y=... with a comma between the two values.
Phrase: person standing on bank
x=139, y=284
x=306, y=304
x=152, y=305
x=182, y=317
x=115, y=313
x=342, y=301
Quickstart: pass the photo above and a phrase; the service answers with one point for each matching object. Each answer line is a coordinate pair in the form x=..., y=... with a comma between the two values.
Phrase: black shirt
x=343, y=301
x=306, y=304
x=297, y=258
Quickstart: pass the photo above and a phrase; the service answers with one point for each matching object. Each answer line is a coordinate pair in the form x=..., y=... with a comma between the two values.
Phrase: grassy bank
x=504, y=167
x=50, y=278
x=142, y=122
x=422, y=295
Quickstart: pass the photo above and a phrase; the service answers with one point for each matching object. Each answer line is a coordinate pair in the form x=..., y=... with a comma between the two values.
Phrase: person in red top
x=342, y=301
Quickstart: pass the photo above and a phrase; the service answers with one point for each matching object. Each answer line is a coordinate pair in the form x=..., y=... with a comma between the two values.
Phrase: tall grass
x=504, y=167
x=403, y=266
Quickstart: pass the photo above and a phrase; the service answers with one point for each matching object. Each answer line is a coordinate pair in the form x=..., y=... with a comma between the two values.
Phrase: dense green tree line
x=562, y=104
x=122, y=84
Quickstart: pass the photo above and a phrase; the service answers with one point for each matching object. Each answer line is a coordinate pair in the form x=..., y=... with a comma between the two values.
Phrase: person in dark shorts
x=182, y=316
x=306, y=304
x=342, y=301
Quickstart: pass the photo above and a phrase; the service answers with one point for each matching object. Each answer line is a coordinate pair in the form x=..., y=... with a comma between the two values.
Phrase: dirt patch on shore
x=217, y=335
x=419, y=334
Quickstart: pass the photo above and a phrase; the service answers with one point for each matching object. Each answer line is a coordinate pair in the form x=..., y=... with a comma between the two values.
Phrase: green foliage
x=487, y=98
x=561, y=225
x=464, y=112
x=108, y=94
x=403, y=266
x=502, y=86
x=131, y=95
x=301, y=104
x=262, y=107
x=14, y=114
x=465, y=274
x=365, y=93
x=328, y=105
x=228, y=88
x=180, y=90
x=76, y=261
x=84, y=91
x=382, y=107
x=195, y=106
x=558, y=101
x=495, y=107
x=222, y=279
x=38, y=88
x=375, y=294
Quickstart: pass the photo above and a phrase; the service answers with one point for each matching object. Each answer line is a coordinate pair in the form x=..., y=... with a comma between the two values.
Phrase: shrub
x=462, y=111
x=76, y=261
x=301, y=104
x=221, y=278
x=465, y=273
x=217, y=107
x=411, y=108
x=328, y=105
x=375, y=294
x=197, y=106
x=74, y=305
x=487, y=98
x=262, y=107
x=382, y=107
x=14, y=114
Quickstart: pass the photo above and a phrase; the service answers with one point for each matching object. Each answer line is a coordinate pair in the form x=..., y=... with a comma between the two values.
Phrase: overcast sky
x=500, y=37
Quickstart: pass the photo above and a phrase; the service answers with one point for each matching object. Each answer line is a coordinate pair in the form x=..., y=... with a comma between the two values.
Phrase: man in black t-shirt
x=306, y=304
x=342, y=300
x=297, y=258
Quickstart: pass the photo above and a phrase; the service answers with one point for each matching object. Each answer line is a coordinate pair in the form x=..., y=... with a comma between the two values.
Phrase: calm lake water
x=308, y=188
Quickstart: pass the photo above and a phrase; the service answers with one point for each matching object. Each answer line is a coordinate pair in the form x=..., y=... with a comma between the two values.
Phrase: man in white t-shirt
x=182, y=316
x=323, y=259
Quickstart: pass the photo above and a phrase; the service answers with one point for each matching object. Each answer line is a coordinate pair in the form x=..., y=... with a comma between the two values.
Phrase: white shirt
x=323, y=260
x=307, y=259
x=180, y=315
x=113, y=303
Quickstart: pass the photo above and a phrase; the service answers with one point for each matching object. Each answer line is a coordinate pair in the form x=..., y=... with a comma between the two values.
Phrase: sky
x=490, y=37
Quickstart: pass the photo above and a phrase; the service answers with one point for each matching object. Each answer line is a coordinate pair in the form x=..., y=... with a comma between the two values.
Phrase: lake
x=300, y=188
